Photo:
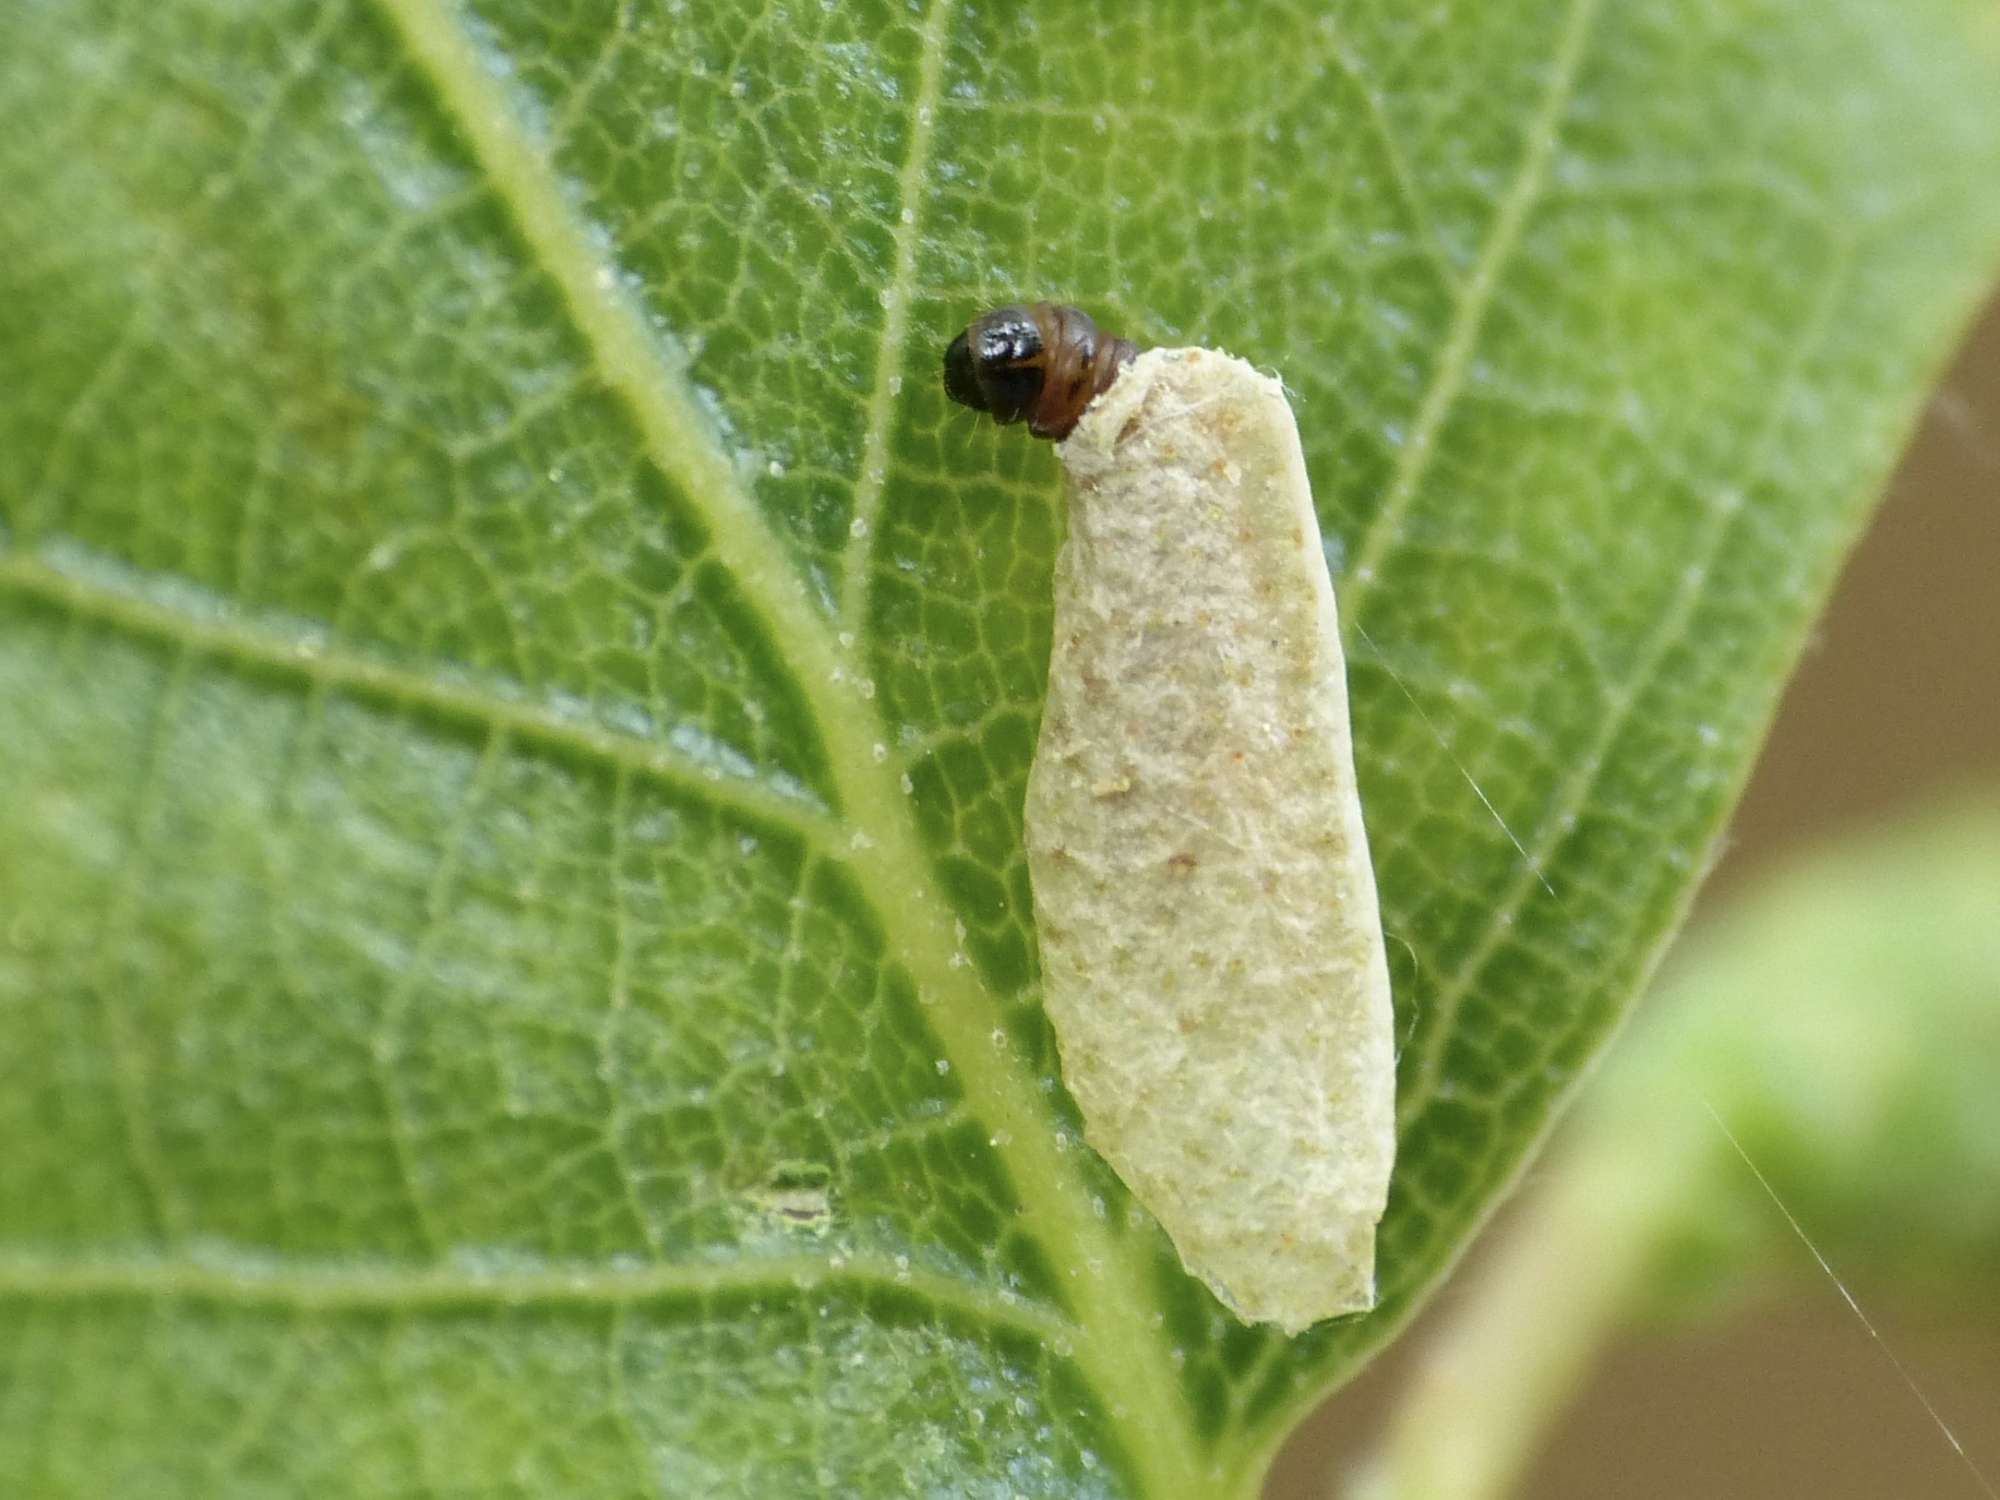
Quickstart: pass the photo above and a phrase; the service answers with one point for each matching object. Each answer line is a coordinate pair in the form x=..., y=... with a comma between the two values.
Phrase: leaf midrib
x=1120, y=1347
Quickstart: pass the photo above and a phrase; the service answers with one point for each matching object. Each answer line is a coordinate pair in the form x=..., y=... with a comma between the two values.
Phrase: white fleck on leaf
x=1211, y=945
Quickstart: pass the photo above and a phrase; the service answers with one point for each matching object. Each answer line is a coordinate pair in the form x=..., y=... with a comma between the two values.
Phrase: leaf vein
x=1348, y=65
x=329, y=1288
x=1469, y=315
x=889, y=351
x=384, y=1049
x=308, y=659
x=149, y=1160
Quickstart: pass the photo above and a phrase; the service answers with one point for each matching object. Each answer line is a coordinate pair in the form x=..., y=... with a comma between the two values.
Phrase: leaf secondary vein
x=895, y=320
x=1469, y=315
x=348, y=1288
x=327, y=665
x=1347, y=63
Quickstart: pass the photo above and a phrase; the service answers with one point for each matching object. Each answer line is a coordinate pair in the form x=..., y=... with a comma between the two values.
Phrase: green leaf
x=516, y=971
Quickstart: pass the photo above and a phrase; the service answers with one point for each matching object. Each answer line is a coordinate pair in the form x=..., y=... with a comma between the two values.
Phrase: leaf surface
x=516, y=969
